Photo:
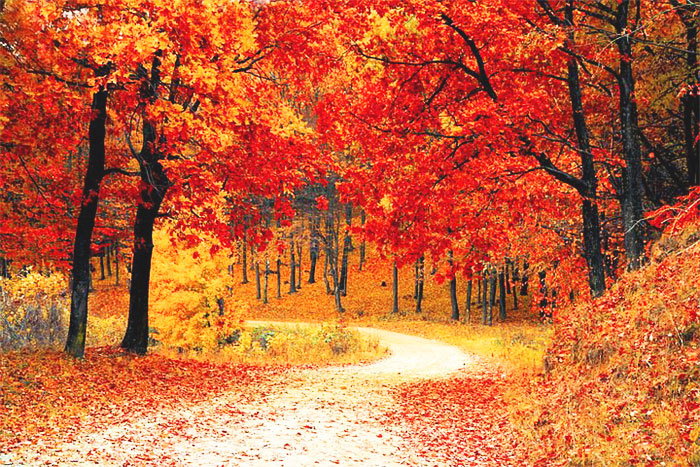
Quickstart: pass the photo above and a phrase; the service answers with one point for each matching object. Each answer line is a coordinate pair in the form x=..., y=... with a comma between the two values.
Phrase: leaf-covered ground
x=426, y=404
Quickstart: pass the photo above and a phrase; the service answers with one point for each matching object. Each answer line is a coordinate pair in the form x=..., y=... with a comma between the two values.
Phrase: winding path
x=327, y=416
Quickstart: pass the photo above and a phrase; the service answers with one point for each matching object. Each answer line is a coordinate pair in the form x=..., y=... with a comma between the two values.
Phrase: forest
x=290, y=232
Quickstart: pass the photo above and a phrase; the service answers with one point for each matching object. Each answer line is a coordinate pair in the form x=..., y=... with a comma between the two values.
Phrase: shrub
x=33, y=311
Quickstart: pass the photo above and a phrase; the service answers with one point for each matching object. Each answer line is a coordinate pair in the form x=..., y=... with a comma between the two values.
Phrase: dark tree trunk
x=80, y=276
x=469, y=301
x=347, y=243
x=313, y=249
x=484, y=298
x=632, y=196
x=363, y=246
x=299, y=256
x=691, y=100
x=116, y=263
x=420, y=281
x=292, y=266
x=279, y=278
x=245, y=258
x=453, y=289
x=502, y=295
x=508, y=267
x=267, y=276
x=102, y=266
x=109, y=259
x=325, y=274
x=258, y=288
x=492, y=296
x=395, y=289
x=155, y=185
x=525, y=279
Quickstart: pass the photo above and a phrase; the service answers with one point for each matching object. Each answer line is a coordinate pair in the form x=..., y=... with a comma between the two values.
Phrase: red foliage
x=461, y=420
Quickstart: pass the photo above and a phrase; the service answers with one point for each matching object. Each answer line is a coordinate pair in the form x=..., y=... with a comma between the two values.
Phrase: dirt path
x=328, y=416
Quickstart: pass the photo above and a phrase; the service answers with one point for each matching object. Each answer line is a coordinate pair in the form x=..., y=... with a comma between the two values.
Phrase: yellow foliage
x=33, y=310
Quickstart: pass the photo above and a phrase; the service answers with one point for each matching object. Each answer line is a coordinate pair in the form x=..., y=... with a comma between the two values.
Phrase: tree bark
x=632, y=208
x=492, y=295
x=292, y=266
x=347, y=243
x=484, y=298
x=267, y=275
x=469, y=301
x=502, y=295
x=453, y=289
x=363, y=246
x=395, y=289
x=245, y=257
x=420, y=281
x=80, y=275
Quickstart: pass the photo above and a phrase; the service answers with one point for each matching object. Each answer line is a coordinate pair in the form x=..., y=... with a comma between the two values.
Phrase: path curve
x=323, y=416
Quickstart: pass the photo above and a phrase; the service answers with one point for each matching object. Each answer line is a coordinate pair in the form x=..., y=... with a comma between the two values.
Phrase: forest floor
x=428, y=403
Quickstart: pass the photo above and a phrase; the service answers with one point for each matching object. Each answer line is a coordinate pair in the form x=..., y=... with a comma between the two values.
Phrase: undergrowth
x=623, y=372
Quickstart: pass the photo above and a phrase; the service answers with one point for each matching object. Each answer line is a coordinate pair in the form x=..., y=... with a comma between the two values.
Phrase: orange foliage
x=623, y=370
x=107, y=387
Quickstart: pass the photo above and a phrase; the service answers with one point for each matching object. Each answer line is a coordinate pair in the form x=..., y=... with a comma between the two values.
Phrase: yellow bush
x=33, y=310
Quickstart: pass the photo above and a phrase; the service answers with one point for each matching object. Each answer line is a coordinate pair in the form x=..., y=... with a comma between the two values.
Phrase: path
x=326, y=416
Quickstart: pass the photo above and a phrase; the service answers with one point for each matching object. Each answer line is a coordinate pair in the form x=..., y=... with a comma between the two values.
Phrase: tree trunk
x=395, y=290
x=313, y=254
x=279, y=278
x=102, y=266
x=420, y=280
x=258, y=291
x=292, y=266
x=453, y=289
x=154, y=186
x=267, y=275
x=110, y=253
x=469, y=301
x=116, y=263
x=525, y=280
x=80, y=275
x=325, y=274
x=691, y=100
x=492, y=296
x=245, y=257
x=502, y=295
x=484, y=299
x=347, y=243
x=632, y=208
x=363, y=244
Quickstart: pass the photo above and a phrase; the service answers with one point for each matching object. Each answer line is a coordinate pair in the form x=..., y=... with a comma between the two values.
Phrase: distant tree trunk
x=279, y=278
x=80, y=274
x=395, y=289
x=363, y=244
x=492, y=295
x=508, y=266
x=469, y=301
x=292, y=264
x=347, y=243
x=116, y=262
x=108, y=260
x=313, y=253
x=691, y=100
x=258, y=292
x=102, y=266
x=299, y=271
x=245, y=257
x=484, y=298
x=420, y=280
x=325, y=275
x=525, y=279
x=267, y=275
x=502, y=294
x=453, y=288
